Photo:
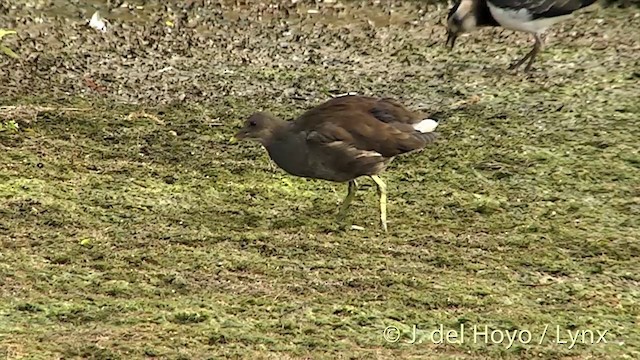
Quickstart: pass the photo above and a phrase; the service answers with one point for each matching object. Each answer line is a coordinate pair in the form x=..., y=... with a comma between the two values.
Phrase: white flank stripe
x=368, y=154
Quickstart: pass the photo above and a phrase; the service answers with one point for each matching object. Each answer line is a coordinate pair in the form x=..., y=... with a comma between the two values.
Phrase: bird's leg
x=353, y=186
x=536, y=49
x=530, y=56
x=382, y=193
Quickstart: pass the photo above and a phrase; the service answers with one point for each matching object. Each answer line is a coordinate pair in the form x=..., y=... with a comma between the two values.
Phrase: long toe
x=529, y=65
x=517, y=64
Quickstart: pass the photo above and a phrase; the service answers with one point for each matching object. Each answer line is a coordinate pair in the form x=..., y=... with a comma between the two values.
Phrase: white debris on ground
x=98, y=22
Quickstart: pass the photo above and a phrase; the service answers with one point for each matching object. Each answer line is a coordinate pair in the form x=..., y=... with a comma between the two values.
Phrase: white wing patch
x=521, y=20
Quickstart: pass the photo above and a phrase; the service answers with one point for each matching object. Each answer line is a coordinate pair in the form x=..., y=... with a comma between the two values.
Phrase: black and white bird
x=531, y=16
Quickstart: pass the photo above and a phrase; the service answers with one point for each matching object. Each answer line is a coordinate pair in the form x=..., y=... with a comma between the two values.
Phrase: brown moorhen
x=341, y=140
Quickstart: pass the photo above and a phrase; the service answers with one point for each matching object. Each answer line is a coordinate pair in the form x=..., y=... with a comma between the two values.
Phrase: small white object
x=97, y=22
x=356, y=227
x=350, y=93
x=426, y=125
x=168, y=68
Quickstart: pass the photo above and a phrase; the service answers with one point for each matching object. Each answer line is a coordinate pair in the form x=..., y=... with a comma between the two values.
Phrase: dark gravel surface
x=159, y=52
x=198, y=50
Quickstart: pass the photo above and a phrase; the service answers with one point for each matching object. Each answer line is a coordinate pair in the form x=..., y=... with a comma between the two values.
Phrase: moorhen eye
x=252, y=123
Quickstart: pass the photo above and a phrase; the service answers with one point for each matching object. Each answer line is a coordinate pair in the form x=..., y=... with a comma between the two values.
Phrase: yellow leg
x=353, y=186
x=382, y=193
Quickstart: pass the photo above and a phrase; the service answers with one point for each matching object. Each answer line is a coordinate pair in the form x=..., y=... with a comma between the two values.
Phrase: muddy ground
x=131, y=228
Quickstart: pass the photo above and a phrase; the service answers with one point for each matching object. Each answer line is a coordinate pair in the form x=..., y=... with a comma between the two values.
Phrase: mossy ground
x=127, y=236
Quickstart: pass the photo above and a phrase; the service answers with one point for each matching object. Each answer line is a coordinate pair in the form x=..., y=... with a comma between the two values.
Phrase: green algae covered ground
x=130, y=228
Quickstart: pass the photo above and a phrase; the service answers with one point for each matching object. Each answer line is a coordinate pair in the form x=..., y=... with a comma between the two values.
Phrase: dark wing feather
x=366, y=124
x=391, y=111
x=340, y=160
x=544, y=8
